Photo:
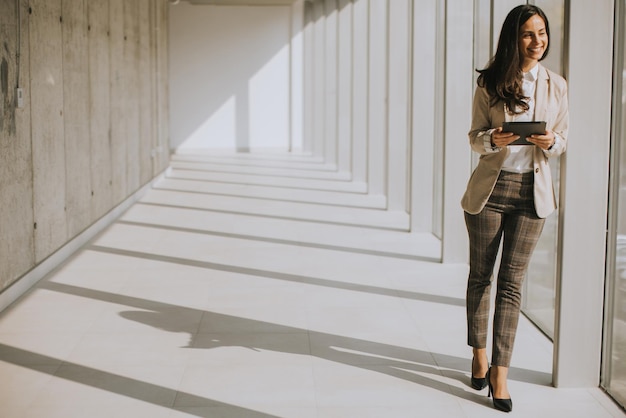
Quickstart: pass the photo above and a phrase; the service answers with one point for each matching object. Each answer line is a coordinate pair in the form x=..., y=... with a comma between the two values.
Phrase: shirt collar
x=532, y=74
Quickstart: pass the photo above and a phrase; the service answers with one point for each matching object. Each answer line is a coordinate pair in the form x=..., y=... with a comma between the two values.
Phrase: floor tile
x=246, y=386
x=196, y=304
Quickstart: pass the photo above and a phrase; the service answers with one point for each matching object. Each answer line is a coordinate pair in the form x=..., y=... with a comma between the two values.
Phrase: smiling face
x=533, y=41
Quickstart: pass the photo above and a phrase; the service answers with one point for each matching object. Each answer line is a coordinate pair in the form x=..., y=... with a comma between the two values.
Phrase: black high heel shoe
x=478, y=383
x=505, y=405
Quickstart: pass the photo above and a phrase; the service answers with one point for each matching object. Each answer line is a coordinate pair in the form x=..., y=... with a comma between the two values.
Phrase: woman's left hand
x=544, y=141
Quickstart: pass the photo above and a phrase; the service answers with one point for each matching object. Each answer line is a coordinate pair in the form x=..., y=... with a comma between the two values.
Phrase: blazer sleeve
x=481, y=129
x=561, y=121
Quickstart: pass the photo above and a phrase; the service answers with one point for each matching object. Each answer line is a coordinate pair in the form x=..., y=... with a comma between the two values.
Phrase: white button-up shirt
x=520, y=159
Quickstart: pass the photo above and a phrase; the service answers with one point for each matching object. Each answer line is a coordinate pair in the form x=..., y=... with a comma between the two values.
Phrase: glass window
x=616, y=382
x=614, y=379
x=540, y=285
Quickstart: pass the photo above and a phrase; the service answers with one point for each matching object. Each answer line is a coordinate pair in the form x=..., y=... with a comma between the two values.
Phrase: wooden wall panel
x=46, y=88
x=76, y=116
x=16, y=192
x=99, y=107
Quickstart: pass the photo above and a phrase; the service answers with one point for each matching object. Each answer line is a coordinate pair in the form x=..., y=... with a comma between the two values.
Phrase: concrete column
x=584, y=185
x=499, y=11
x=296, y=73
x=399, y=88
x=458, y=104
x=360, y=96
x=344, y=87
x=377, y=117
x=330, y=81
x=309, y=77
x=319, y=77
x=425, y=28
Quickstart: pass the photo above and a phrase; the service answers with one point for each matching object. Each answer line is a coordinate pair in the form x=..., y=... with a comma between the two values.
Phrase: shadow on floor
x=121, y=385
x=209, y=330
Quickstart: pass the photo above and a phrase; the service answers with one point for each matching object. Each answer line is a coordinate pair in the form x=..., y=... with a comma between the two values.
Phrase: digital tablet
x=524, y=129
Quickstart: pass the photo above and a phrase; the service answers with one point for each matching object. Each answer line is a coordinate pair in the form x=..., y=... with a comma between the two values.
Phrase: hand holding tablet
x=524, y=129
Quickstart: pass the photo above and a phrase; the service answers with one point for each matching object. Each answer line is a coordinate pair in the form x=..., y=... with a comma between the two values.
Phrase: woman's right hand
x=502, y=139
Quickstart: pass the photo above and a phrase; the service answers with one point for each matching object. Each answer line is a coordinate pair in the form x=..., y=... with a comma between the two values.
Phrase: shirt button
x=536, y=170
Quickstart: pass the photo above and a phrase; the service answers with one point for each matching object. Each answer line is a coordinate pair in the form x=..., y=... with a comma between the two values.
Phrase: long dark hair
x=503, y=76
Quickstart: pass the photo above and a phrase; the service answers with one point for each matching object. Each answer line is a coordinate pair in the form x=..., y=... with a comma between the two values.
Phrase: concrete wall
x=230, y=76
x=93, y=126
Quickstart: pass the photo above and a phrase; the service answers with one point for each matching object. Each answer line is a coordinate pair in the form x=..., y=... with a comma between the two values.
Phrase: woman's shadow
x=208, y=330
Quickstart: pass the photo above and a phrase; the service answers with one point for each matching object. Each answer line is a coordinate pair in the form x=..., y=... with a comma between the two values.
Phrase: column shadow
x=121, y=385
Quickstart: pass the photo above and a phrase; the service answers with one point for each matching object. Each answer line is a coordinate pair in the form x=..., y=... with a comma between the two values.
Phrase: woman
x=510, y=192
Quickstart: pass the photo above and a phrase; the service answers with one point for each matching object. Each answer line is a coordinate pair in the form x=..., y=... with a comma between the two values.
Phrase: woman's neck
x=528, y=65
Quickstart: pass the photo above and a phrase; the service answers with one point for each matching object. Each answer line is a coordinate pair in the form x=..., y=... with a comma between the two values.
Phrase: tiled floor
x=216, y=297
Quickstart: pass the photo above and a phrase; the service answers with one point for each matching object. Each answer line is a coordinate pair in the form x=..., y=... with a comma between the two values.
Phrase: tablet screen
x=524, y=129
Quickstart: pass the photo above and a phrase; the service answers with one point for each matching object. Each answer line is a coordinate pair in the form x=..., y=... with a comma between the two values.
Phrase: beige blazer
x=550, y=105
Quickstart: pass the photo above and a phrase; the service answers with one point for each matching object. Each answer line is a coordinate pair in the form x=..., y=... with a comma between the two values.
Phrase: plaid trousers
x=509, y=216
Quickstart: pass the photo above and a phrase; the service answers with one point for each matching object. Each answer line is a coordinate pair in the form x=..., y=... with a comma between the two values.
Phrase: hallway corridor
x=245, y=285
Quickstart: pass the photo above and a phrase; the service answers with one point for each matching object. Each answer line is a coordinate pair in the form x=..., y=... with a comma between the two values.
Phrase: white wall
x=229, y=76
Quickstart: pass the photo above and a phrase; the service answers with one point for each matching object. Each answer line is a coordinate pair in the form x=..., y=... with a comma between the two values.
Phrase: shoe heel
x=504, y=405
x=478, y=383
